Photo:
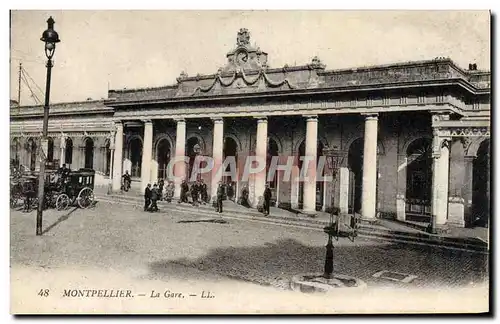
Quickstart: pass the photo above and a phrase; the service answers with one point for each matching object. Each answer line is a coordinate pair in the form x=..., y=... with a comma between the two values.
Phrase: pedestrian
x=230, y=191
x=194, y=193
x=161, y=184
x=147, y=197
x=267, y=199
x=170, y=191
x=220, y=195
x=184, y=192
x=154, y=198
x=29, y=191
x=244, y=197
x=204, y=193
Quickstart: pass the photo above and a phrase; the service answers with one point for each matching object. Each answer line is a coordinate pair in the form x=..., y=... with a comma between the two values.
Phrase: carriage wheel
x=85, y=198
x=62, y=202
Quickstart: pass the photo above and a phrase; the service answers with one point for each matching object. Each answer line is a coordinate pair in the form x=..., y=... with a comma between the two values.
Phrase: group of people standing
x=199, y=195
x=157, y=192
x=197, y=190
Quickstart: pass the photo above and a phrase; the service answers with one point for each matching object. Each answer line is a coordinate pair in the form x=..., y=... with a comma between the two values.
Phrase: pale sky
x=131, y=49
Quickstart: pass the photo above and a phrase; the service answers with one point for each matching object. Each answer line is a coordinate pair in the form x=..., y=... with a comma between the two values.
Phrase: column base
x=371, y=221
x=309, y=213
x=456, y=212
x=439, y=229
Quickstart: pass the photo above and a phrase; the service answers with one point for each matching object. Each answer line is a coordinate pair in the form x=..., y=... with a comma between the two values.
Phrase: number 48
x=43, y=292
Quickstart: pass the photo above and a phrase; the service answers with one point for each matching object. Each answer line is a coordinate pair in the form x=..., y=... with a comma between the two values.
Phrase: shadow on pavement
x=275, y=263
x=60, y=220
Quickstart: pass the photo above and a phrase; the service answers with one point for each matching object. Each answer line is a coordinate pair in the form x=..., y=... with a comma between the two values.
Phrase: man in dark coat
x=161, y=184
x=194, y=193
x=267, y=199
x=184, y=191
x=203, y=189
x=154, y=198
x=220, y=195
x=147, y=197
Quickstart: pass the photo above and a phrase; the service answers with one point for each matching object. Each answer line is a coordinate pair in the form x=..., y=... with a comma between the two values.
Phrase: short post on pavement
x=50, y=38
x=334, y=159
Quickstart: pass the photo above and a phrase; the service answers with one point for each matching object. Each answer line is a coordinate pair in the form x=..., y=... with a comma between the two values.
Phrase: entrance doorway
x=419, y=180
x=163, y=158
x=68, y=153
x=135, y=154
x=230, y=149
x=31, y=148
x=89, y=153
x=355, y=164
x=272, y=150
x=481, y=186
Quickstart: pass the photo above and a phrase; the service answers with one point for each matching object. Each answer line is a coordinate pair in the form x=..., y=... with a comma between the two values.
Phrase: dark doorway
x=68, y=154
x=89, y=153
x=50, y=150
x=107, y=167
x=230, y=150
x=419, y=180
x=272, y=150
x=31, y=147
x=163, y=158
x=135, y=151
x=481, y=186
x=193, y=149
x=355, y=163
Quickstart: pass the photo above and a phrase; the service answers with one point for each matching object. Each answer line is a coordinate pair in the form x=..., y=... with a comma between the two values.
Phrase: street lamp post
x=334, y=158
x=50, y=38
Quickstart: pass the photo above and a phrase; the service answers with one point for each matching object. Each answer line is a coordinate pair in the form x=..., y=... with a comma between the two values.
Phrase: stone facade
x=410, y=134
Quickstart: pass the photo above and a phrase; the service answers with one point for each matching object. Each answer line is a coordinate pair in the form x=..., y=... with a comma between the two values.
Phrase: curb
x=365, y=230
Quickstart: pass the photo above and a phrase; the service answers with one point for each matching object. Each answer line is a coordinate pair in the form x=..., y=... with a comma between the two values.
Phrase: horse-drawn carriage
x=63, y=188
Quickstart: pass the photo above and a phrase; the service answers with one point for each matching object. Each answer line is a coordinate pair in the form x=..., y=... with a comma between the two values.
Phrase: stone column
x=217, y=154
x=440, y=179
x=147, y=150
x=180, y=148
x=118, y=158
x=343, y=177
x=62, y=159
x=309, y=206
x=369, y=192
x=260, y=153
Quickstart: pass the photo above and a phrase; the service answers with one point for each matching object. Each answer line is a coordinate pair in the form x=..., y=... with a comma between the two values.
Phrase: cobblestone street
x=188, y=247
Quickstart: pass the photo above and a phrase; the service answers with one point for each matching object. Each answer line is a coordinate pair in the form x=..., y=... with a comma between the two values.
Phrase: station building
x=414, y=137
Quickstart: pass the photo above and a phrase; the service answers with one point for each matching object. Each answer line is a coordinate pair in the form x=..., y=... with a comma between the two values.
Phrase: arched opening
x=481, y=186
x=319, y=184
x=193, y=149
x=135, y=155
x=68, y=154
x=50, y=150
x=272, y=151
x=31, y=148
x=14, y=152
x=230, y=149
x=89, y=153
x=107, y=167
x=419, y=180
x=163, y=154
x=355, y=164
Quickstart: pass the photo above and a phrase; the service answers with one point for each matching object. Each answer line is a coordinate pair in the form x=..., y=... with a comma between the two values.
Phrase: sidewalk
x=474, y=239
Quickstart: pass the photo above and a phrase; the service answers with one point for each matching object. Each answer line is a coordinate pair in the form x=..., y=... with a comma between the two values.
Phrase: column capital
x=370, y=116
x=179, y=120
x=147, y=121
x=217, y=120
x=310, y=117
x=261, y=119
x=118, y=124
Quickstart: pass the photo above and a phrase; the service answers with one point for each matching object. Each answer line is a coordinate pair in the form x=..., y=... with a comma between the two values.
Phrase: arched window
x=419, y=177
x=50, y=149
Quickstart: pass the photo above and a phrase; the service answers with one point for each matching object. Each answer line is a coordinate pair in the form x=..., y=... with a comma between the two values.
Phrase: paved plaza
x=191, y=247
